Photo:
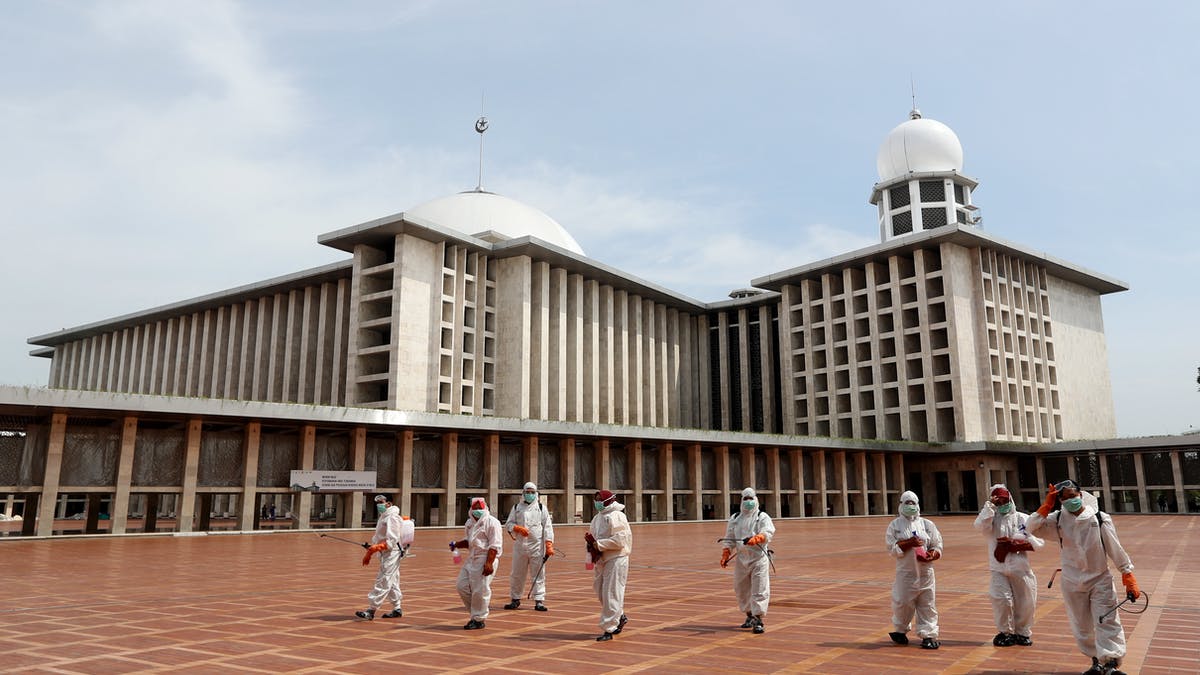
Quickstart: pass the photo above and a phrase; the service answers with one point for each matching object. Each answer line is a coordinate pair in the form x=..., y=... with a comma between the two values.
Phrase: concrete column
x=773, y=480
x=54, y=452
x=634, y=451
x=404, y=469
x=566, y=449
x=529, y=452
x=819, y=482
x=841, y=508
x=1105, y=495
x=120, y=505
x=450, y=476
x=695, y=483
x=798, y=479
x=491, y=458
x=881, y=498
x=1140, y=472
x=722, y=417
x=602, y=465
x=860, y=467
x=513, y=339
x=1181, y=502
x=308, y=447
x=666, y=478
x=723, y=484
x=749, y=469
x=351, y=513
x=249, y=514
x=187, y=502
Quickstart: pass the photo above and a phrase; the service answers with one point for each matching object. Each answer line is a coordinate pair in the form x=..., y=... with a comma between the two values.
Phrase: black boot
x=930, y=643
x=1021, y=640
x=1096, y=669
x=749, y=622
x=621, y=624
x=1111, y=668
x=367, y=614
x=514, y=604
x=473, y=625
x=394, y=614
x=899, y=638
x=758, y=625
x=606, y=637
x=1003, y=640
x=537, y=604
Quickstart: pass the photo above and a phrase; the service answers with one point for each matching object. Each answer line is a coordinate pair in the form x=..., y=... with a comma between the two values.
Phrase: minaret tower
x=921, y=186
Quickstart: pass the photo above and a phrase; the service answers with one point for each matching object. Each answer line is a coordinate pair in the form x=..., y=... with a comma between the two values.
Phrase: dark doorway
x=970, y=495
x=941, y=483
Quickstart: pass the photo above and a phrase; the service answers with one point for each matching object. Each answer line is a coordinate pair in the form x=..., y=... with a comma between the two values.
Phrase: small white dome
x=475, y=212
x=919, y=145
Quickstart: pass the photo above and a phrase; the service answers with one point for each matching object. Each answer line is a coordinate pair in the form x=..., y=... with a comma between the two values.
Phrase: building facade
x=828, y=383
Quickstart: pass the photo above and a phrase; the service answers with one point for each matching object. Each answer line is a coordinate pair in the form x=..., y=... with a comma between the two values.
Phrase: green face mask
x=748, y=504
x=1005, y=508
x=477, y=513
x=599, y=505
x=381, y=507
x=529, y=497
x=1073, y=504
x=909, y=509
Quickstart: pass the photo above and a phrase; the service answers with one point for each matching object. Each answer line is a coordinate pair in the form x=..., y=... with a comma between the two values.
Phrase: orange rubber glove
x=1048, y=505
x=381, y=546
x=1131, y=588
x=755, y=540
x=906, y=544
x=726, y=554
x=523, y=531
x=549, y=548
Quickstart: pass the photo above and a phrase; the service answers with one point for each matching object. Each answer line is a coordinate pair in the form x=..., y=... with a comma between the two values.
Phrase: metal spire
x=915, y=113
x=481, y=126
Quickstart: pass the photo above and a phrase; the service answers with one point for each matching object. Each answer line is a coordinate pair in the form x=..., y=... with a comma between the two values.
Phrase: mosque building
x=469, y=344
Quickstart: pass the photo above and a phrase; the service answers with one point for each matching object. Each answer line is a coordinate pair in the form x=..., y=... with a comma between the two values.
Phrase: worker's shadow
x=552, y=636
x=886, y=643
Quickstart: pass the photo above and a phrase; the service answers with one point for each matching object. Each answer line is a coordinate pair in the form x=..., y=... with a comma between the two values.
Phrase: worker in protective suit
x=1013, y=587
x=393, y=535
x=530, y=525
x=747, y=535
x=1087, y=536
x=484, y=542
x=915, y=543
x=609, y=543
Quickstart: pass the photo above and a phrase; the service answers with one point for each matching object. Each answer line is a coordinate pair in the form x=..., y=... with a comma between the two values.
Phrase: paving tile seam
x=1139, y=641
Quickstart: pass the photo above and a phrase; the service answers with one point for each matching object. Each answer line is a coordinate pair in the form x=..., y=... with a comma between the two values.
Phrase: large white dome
x=919, y=145
x=476, y=212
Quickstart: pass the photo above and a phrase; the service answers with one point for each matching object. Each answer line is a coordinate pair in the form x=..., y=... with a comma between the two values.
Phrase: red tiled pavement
x=284, y=601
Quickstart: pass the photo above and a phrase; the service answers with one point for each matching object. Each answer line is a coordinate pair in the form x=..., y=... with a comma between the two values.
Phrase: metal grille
x=961, y=216
x=618, y=468
x=221, y=459
x=735, y=469
x=735, y=377
x=427, y=463
x=332, y=453
x=708, y=469
x=650, y=468
x=714, y=375
x=470, y=463
x=756, y=378
x=960, y=196
x=90, y=457
x=512, y=472
x=679, y=470
x=12, y=448
x=158, y=457
x=761, y=479
x=899, y=196
x=585, y=466
x=933, y=191
x=381, y=458
x=902, y=223
x=931, y=218
x=785, y=471
x=549, y=469
x=277, y=455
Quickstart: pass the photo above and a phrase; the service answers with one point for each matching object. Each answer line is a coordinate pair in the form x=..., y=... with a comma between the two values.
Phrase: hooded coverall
x=915, y=586
x=398, y=533
x=1087, y=585
x=751, y=578
x=1013, y=588
x=614, y=539
x=474, y=587
x=530, y=550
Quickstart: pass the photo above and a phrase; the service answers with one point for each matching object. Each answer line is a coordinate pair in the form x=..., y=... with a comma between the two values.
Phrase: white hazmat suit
x=474, y=587
x=1013, y=588
x=1087, y=585
x=614, y=539
x=529, y=550
x=397, y=533
x=751, y=569
x=913, y=591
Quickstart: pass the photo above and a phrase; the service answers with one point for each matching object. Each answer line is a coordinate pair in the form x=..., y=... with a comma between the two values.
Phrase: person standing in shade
x=1089, y=540
x=915, y=543
x=393, y=534
x=609, y=542
x=1013, y=588
x=529, y=524
x=484, y=543
x=747, y=536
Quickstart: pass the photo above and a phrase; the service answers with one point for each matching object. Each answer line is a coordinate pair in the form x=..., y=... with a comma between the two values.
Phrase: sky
x=153, y=151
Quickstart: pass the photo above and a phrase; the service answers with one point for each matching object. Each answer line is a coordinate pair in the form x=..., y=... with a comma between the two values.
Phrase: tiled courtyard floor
x=284, y=602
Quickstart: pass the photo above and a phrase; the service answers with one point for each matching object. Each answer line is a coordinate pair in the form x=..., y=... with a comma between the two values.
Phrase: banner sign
x=333, y=481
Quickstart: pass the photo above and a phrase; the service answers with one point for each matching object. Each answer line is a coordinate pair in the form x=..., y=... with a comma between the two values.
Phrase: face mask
x=909, y=509
x=476, y=513
x=381, y=507
x=748, y=504
x=1005, y=508
x=529, y=497
x=599, y=505
x=1073, y=504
